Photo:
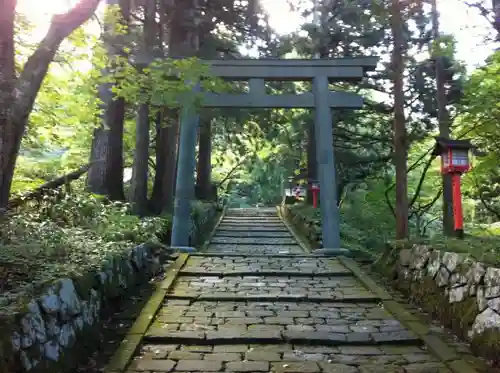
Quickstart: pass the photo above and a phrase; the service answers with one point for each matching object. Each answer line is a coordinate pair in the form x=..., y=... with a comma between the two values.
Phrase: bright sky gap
x=456, y=18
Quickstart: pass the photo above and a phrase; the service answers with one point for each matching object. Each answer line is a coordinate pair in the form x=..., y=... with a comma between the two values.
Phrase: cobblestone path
x=256, y=302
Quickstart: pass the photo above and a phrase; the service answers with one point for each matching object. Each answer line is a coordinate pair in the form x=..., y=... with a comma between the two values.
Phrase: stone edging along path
x=463, y=293
x=64, y=319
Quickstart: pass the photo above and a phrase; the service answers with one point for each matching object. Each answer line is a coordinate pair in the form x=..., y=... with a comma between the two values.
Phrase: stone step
x=252, y=219
x=249, y=228
x=284, y=358
x=334, y=287
x=332, y=323
x=248, y=216
x=259, y=234
x=254, y=249
x=251, y=224
x=267, y=335
x=254, y=241
x=306, y=266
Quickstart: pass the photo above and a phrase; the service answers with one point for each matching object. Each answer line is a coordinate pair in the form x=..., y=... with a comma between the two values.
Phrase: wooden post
x=330, y=219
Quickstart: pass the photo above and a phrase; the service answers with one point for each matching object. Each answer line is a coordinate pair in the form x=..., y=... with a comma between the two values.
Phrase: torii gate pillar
x=325, y=159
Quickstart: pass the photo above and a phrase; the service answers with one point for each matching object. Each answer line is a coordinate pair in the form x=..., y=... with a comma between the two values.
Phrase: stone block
x=452, y=260
x=442, y=277
x=405, y=257
x=198, y=366
x=295, y=367
x=144, y=365
x=434, y=263
x=420, y=257
x=488, y=319
x=247, y=366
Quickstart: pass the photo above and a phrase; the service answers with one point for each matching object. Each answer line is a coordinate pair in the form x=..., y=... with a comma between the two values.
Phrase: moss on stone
x=84, y=283
x=487, y=344
x=458, y=316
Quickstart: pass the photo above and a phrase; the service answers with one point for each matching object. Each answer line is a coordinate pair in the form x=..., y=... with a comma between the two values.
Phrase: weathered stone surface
x=452, y=260
x=492, y=283
x=475, y=273
x=442, y=277
x=198, y=366
x=481, y=300
x=248, y=366
x=420, y=257
x=295, y=367
x=434, y=263
x=405, y=257
x=458, y=294
x=144, y=365
x=464, y=282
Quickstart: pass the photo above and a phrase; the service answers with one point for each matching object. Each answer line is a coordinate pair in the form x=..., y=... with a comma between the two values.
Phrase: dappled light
x=296, y=186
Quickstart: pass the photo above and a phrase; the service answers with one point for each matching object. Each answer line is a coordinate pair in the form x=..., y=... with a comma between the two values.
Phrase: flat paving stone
x=292, y=358
x=264, y=264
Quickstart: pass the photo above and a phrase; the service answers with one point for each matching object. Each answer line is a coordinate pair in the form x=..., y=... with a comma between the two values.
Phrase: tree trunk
x=399, y=126
x=140, y=169
x=204, y=166
x=168, y=131
x=443, y=119
x=7, y=82
x=496, y=16
x=20, y=93
x=105, y=176
x=167, y=128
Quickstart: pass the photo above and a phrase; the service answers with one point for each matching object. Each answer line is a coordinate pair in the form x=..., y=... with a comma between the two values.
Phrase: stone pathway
x=255, y=302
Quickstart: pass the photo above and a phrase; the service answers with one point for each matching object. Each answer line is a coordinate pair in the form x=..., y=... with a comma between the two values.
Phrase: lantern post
x=315, y=191
x=455, y=161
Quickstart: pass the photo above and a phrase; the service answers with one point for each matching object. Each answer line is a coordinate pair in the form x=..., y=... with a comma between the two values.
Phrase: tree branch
x=51, y=185
x=229, y=174
x=421, y=181
x=34, y=71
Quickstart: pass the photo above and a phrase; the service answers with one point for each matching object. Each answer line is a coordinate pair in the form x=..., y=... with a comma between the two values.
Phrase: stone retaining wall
x=49, y=331
x=311, y=231
x=462, y=292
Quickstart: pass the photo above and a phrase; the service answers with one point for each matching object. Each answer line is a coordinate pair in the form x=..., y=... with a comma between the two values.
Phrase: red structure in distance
x=315, y=191
x=455, y=161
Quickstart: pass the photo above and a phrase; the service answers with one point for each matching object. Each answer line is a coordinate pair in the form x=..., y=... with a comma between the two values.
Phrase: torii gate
x=256, y=71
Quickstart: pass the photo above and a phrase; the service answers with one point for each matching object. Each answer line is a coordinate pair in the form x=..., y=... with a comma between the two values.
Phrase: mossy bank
x=50, y=330
x=463, y=293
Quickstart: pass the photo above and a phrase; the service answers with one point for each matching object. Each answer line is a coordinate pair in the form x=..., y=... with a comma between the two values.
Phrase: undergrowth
x=67, y=236
x=359, y=229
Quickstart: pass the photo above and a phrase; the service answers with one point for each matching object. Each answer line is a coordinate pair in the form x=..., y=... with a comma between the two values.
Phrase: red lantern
x=315, y=191
x=455, y=161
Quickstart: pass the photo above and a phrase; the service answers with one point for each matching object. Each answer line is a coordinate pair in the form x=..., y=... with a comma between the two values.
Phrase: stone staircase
x=256, y=302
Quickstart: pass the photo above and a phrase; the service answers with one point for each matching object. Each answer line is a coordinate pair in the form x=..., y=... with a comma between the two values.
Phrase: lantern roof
x=443, y=144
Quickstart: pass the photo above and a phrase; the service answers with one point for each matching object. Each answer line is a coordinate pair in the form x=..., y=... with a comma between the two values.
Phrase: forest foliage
x=93, y=91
